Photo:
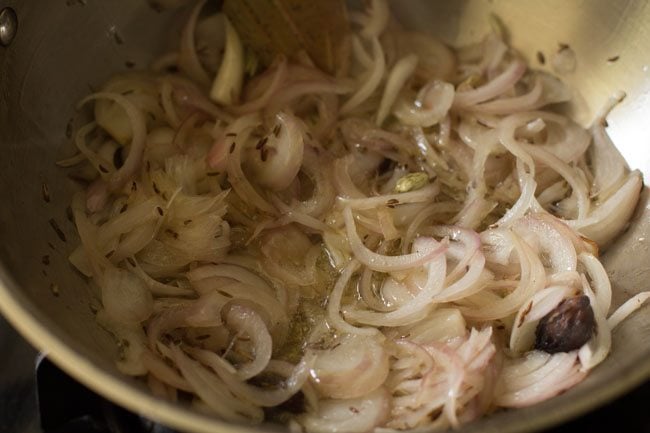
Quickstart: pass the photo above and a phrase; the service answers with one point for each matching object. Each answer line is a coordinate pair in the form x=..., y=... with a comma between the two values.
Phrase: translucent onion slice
x=357, y=415
x=545, y=238
x=188, y=59
x=132, y=343
x=125, y=296
x=163, y=372
x=610, y=218
x=532, y=279
x=513, y=104
x=228, y=83
x=600, y=280
x=244, y=320
x=398, y=76
x=356, y=366
x=497, y=86
x=334, y=303
x=214, y=392
x=441, y=325
x=416, y=308
x=628, y=307
x=384, y=263
x=278, y=161
x=286, y=252
x=431, y=105
x=436, y=60
x=253, y=394
x=370, y=81
x=234, y=272
x=537, y=377
x=607, y=164
x=240, y=132
x=425, y=194
x=138, y=133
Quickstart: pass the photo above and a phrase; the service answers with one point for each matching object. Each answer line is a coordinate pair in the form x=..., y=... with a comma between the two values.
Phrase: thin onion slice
x=384, y=263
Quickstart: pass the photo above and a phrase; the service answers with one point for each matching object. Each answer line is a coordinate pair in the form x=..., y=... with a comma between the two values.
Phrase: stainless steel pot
x=64, y=47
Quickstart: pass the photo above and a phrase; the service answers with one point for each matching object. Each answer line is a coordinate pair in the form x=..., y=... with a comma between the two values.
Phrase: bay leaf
x=272, y=27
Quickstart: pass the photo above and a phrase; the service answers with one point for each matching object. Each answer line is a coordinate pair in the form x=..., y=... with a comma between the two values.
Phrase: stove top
x=34, y=393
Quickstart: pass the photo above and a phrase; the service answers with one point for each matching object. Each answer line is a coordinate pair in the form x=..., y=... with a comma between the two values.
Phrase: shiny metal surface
x=64, y=46
x=8, y=26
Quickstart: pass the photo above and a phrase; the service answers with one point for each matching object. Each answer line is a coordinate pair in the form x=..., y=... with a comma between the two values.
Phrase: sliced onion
x=544, y=237
x=334, y=303
x=532, y=279
x=229, y=80
x=370, y=81
x=422, y=216
x=398, y=76
x=436, y=61
x=499, y=85
x=497, y=246
x=156, y=287
x=188, y=59
x=214, y=392
x=607, y=163
x=342, y=180
x=203, y=312
x=234, y=272
x=260, y=299
x=279, y=76
x=163, y=372
x=416, y=308
x=425, y=194
x=600, y=280
x=294, y=215
x=577, y=184
x=278, y=162
x=188, y=95
x=610, y=218
x=558, y=373
x=353, y=368
x=97, y=195
x=290, y=93
x=138, y=133
x=125, y=296
x=255, y=395
x=246, y=321
x=523, y=102
x=132, y=343
x=524, y=203
x=431, y=105
x=384, y=263
x=580, y=243
x=628, y=307
x=240, y=183
x=359, y=415
x=472, y=258
x=469, y=283
x=316, y=167
x=440, y=325
x=136, y=215
x=286, y=251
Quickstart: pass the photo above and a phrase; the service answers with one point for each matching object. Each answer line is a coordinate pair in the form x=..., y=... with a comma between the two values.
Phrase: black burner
x=41, y=402
x=90, y=413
